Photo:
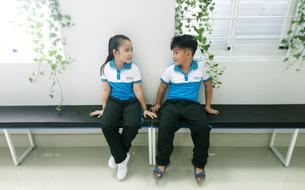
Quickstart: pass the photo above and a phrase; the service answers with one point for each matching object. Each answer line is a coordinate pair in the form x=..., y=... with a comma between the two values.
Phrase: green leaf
x=284, y=41
x=211, y=57
x=68, y=17
x=52, y=52
x=53, y=35
x=206, y=47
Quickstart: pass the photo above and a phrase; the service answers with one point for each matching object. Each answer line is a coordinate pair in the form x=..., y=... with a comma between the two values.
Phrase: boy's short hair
x=184, y=41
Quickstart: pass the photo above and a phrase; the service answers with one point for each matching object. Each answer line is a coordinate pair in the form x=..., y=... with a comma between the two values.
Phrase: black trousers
x=194, y=115
x=121, y=114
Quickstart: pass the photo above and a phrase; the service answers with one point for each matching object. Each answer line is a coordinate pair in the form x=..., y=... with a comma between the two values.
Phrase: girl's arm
x=105, y=95
x=138, y=93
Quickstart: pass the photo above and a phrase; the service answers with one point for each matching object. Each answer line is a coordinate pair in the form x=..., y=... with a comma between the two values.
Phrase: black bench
x=254, y=117
x=231, y=116
x=38, y=117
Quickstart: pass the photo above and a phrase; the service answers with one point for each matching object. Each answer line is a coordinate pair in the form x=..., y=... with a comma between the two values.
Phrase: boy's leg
x=196, y=118
x=201, y=140
x=111, y=122
x=168, y=127
x=131, y=123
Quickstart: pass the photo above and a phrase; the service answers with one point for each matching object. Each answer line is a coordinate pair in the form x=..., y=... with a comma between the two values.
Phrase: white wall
x=150, y=25
x=248, y=82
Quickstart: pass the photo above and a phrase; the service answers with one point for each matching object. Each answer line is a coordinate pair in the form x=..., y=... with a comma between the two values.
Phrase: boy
x=184, y=79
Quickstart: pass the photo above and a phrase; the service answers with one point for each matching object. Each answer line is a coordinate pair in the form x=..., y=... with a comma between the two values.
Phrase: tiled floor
x=86, y=169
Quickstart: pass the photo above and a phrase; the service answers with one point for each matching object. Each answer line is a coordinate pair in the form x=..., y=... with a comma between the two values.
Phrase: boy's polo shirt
x=185, y=86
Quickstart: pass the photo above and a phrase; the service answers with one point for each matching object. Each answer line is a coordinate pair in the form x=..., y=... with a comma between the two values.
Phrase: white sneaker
x=122, y=169
x=111, y=162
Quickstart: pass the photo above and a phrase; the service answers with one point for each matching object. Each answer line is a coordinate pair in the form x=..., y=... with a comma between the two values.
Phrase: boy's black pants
x=125, y=114
x=194, y=115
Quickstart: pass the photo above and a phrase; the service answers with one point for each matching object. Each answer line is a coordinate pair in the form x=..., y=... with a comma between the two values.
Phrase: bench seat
x=47, y=117
x=285, y=116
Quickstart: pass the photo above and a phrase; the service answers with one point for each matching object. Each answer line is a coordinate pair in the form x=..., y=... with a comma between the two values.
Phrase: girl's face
x=181, y=55
x=124, y=52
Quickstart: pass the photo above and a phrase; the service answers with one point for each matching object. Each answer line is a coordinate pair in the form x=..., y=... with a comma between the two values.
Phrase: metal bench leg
x=154, y=145
x=11, y=146
x=150, y=146
x=293, y=139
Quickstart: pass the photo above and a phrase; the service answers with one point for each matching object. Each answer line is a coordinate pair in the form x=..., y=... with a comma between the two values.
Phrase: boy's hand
x=150, y=114
x=155, y=108
x=211, y=110
x=97, y=113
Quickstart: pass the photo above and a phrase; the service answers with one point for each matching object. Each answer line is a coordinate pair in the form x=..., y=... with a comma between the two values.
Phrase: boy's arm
x=208, y=97
x=161, y=91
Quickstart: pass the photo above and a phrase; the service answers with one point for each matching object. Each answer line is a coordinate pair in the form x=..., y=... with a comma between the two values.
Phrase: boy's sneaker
x=122, y=168
x=111, y=162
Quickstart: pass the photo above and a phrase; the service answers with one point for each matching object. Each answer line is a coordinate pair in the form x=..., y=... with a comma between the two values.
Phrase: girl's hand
x=149, y=113
x=211, y=110
x=155, y=108
x=97, y=113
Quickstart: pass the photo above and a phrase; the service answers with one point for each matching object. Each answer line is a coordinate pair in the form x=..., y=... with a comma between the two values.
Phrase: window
x=16, y=41
x=245, y=29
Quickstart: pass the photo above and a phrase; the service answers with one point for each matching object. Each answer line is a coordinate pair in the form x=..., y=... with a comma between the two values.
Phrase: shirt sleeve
x=205, y=73
x=137, y=75
x=165, y=77
x=104, y=77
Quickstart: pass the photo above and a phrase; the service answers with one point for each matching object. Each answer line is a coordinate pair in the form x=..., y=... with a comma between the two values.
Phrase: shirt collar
x=126, y=65
x=194, y=66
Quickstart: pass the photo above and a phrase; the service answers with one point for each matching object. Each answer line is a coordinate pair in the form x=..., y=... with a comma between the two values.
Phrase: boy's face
x=182, y=55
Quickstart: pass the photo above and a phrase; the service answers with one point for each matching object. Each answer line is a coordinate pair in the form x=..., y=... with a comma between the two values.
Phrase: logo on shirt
x=197, y=78
x=129, y=78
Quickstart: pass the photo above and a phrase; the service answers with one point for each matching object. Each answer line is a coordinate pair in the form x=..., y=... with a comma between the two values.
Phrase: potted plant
x=295, y=40
x=193, y=17
x=44, y=22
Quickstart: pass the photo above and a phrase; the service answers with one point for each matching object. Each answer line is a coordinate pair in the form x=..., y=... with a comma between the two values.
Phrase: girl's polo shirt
x=121, y=80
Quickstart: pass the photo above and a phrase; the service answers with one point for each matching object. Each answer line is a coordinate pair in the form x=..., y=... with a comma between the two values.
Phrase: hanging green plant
x=44, y=21
x=193, y=17
x=295, y=40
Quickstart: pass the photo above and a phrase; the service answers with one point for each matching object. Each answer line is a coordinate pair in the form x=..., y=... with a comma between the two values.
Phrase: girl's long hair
x=114, y=43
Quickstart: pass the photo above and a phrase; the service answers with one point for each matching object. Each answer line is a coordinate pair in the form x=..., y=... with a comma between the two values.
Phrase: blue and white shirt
x=185, y=86
x=121, y=80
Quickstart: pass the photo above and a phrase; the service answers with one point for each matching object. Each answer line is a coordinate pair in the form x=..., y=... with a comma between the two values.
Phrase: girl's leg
x=111, y=122
x=131, y=123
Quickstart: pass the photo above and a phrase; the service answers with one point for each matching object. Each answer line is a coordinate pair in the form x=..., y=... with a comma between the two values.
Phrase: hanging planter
x=44, y=21
x=193, y=17
x=295, y=41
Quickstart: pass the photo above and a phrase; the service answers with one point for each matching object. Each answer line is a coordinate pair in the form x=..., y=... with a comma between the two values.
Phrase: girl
x=122, y=99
